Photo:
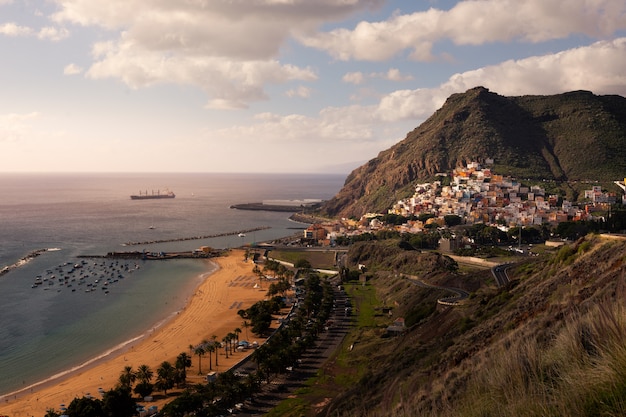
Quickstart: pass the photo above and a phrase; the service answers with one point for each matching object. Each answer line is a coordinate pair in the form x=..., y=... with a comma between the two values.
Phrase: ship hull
x=152, y=196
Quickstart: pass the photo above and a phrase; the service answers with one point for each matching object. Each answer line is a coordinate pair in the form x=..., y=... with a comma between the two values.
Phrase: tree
x=119, y=403
x=452, y=220
x=289, y=274
x=210, y=347
x=183, y=361
x=245, y=324
x=166, y=377
x=200, y=351
x=302, y=264
x=127, y=377
x=144, y=373
x=216, y=344
x=225, y=342
x=144, y=387
x=85, y=407
x=237, y=332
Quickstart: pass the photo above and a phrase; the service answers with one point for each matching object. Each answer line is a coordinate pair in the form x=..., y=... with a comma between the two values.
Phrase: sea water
x=55, y=327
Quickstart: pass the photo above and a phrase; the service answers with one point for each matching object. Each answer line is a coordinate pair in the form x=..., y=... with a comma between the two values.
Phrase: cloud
x=599, y=67
x=472, y=22
x=46, y=33
x=53, y=33
x=72, y=69
x=354, y=78
x=13, y=30
x=392, y=74
x=229, y=49
x=300, y=91
x=15, y=126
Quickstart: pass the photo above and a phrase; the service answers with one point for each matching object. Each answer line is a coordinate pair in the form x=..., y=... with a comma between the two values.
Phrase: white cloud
x=14, y=126
x=354, y=78
x=472, y=22
x=13, y=29
x=392, y=74
x=600, y=68
x=300, y=91
x=53, y=33
x=230, y=84
x=46, y=33
x=72, y=69
x=227, y=48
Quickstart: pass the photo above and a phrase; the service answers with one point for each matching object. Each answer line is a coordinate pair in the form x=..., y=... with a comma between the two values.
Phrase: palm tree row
x=213, y=346
x=278, y=353
x=167, y=375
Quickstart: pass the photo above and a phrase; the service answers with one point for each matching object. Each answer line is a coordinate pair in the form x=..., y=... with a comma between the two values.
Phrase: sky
x=276, y=86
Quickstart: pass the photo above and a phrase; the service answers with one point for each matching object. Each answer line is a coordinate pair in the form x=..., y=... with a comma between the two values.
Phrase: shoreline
x=225, y=283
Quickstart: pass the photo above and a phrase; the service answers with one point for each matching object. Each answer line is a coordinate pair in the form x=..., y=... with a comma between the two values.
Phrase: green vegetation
x=316, y=259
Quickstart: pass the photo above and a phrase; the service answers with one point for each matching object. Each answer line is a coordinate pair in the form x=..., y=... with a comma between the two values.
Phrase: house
x=315, y=232
x=397, y=327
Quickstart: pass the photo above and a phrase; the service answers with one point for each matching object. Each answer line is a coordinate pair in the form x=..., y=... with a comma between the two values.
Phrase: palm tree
x=259, y=274
x=144, y=375
x=237, y=331
x=199, y=350
x=210, y=347
x=215, y=344
x=183, y=361
x=127, y=377
x=245, y=324
x=166, y=375
x=226, y=340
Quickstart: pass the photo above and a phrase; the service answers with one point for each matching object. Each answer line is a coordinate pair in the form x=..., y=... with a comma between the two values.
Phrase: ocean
x=60, y=311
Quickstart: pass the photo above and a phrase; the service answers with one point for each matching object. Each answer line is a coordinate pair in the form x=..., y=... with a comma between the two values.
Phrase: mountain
x=575, y=136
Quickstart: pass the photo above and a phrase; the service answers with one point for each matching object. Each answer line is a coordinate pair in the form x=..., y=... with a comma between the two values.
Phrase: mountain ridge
x=573, y=136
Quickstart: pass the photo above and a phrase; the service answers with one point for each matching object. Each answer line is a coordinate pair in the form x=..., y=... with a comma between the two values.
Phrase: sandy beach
x=212, y=310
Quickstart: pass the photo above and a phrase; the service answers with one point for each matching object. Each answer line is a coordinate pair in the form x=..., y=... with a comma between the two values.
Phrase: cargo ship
x=153, y=195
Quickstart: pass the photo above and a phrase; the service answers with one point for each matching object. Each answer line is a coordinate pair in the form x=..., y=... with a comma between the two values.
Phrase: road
x=499, y=273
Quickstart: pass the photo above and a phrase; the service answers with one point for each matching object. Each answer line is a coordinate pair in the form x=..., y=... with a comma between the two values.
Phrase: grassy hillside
x=551, y=344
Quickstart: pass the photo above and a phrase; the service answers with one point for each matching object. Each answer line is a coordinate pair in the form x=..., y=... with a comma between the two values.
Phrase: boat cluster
x=85, y=276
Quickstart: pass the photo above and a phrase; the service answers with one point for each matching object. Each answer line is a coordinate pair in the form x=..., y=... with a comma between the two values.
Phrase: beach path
x=212, y=310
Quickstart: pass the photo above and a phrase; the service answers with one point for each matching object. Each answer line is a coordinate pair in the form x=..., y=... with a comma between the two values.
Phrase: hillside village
x=476, y=194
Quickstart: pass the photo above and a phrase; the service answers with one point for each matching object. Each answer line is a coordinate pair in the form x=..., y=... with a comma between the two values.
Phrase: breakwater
x=267, y=207
x=22, y=261
x=182, y=239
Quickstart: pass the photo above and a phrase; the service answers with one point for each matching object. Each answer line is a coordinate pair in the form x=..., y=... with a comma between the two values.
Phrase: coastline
x=209, y=311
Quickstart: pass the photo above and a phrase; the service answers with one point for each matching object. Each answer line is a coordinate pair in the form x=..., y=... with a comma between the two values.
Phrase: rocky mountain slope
x=564, y=138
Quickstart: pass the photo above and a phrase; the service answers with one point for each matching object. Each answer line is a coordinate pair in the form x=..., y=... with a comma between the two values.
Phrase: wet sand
x=212, y=310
